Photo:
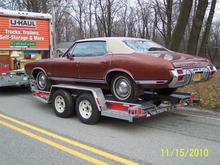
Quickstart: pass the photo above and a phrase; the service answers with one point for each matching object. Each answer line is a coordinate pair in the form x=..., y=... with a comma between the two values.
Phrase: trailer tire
x=86, y=109
x=63, y=103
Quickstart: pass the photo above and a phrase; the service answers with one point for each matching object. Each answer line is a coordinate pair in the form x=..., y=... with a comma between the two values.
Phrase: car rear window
x=144, y=45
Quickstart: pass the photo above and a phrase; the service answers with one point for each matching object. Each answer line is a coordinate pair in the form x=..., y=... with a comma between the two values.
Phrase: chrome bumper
x=187, y=74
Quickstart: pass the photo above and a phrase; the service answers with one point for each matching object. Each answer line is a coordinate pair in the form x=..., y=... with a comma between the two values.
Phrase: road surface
x=30, y=133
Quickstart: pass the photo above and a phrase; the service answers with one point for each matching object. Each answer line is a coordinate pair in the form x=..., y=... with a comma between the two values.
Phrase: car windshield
x=144, y=45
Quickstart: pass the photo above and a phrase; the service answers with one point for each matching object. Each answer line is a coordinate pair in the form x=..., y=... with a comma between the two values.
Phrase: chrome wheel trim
x=60, y=104
x=42, y=81
x=122, y=88
x=85, y=109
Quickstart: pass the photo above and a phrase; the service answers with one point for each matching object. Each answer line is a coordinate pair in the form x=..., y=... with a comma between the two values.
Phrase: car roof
x=111, y=38
x=115, y=45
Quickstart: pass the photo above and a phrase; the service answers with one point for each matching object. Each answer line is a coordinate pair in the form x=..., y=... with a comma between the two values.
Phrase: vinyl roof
x=115, y=44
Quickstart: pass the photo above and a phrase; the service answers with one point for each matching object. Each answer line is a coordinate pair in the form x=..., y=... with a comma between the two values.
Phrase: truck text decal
x=23, y=23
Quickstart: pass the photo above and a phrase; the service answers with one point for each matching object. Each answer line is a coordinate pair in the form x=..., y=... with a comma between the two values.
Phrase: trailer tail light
x=41, y=94
x=136, y=111
x=192, y=98
x=117, y=106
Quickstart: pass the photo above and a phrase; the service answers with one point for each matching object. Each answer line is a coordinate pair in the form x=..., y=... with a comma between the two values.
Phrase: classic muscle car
x=126, y=66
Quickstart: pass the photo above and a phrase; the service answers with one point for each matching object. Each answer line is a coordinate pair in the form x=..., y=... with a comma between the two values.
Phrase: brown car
x=127, y=66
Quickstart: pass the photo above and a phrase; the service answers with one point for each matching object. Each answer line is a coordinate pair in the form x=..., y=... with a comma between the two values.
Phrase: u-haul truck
x=24, y=37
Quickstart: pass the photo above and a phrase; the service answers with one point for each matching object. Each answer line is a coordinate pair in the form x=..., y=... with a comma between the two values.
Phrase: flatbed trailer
x=90, y=103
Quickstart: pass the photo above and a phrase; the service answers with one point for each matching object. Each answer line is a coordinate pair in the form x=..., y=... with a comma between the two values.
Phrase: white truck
x=24, y=37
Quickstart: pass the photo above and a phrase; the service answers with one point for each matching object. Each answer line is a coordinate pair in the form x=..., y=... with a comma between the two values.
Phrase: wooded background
x=189, y=26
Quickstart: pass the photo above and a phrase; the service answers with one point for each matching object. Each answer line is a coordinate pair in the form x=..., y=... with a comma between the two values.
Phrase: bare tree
x=9, y=4
x=206, y=32
x=197, y=26
x=164, y=9
x=182, y=22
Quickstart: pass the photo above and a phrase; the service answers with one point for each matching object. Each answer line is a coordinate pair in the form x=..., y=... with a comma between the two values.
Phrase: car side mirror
x=69, y=56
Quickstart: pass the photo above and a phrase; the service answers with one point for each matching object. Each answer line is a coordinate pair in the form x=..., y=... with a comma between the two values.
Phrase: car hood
x=181, y=59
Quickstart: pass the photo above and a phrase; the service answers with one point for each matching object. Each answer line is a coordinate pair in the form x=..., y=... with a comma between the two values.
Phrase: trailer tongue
x=90, y=103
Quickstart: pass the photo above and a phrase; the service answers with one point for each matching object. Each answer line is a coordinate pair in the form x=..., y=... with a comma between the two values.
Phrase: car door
x=65, y=67
x=93, y=61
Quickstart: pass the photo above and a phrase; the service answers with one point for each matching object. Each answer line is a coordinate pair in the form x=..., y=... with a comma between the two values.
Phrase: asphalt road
x=30, y=133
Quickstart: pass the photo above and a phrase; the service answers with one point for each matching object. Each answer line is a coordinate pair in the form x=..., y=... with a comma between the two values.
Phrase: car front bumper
x=14, y=80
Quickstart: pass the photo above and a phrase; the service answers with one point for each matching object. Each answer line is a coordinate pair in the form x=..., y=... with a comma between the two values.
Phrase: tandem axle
x=90, y=103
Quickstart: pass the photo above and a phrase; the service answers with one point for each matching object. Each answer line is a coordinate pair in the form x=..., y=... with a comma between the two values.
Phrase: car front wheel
x=124, y=88
x=42, y=81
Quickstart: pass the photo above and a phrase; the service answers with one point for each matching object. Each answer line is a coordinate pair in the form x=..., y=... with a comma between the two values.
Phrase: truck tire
x=63, y=103
x=43, y=83
x=86, y=109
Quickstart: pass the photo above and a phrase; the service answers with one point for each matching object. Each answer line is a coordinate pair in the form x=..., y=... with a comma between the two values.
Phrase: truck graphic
x=24, y=37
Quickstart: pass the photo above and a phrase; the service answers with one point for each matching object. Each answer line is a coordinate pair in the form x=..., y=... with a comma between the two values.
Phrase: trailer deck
x=108, y=106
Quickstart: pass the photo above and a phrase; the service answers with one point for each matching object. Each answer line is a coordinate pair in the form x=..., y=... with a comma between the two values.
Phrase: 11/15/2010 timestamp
x=185, y=152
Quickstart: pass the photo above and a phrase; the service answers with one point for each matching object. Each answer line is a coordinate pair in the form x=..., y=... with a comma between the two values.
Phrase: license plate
x=197, y=77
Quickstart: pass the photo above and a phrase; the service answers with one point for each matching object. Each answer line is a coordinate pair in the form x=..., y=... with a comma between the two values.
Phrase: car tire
x=42, y=81
x=63, y=103
x=86, y=109
x=166, y=91
x=124, y=88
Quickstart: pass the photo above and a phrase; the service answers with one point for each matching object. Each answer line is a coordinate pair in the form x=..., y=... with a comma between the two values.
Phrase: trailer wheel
x=63, y=103
x=86, y=109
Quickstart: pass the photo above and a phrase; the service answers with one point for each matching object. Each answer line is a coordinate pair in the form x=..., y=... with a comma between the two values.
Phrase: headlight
x=25, y=78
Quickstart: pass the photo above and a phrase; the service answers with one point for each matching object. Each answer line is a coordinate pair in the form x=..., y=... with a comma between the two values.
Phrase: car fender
x=38, y=68
x=118, y=70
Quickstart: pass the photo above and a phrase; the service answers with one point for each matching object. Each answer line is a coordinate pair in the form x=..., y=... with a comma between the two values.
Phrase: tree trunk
x=90, y=18
x=109, y=18
x=196, y=27
x=44, y=6
x=169, y=11
x=206, y=32
x=180, y=27
x=154, y=24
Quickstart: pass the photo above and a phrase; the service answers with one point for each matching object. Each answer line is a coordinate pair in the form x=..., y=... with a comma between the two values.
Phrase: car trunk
x=182, y=60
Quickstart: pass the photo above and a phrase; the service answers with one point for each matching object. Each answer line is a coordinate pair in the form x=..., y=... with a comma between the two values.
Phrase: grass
x=208, y=92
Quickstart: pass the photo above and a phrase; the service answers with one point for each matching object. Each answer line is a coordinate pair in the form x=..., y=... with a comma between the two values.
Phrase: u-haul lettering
x=22, y=23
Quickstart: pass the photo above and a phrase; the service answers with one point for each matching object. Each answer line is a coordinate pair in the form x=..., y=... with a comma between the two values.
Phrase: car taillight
x=180, y=78
x=180, y=71
x=180, y=75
